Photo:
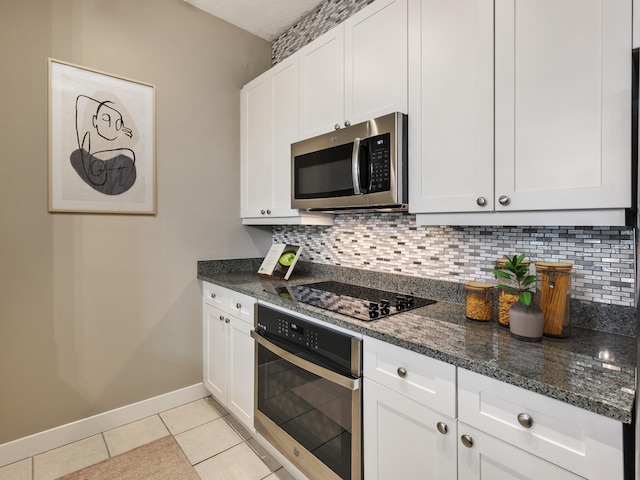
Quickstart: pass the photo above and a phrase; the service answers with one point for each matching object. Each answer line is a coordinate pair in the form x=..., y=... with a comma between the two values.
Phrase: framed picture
x=101, y=142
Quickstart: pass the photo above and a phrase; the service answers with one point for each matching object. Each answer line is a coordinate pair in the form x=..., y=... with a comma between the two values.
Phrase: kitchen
x=55, y=342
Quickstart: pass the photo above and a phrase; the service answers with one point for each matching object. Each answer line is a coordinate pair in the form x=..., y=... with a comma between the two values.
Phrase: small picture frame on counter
x=279, y=262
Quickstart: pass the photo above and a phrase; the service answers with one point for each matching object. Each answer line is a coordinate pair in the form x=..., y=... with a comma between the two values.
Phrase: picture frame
x=102, y=145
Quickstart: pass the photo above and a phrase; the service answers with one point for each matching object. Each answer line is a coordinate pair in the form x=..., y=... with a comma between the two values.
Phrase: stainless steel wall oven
x=308, y=393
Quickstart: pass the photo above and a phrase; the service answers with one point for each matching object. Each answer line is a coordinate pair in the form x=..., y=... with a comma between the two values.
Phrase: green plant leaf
x=529, y=280
x=501, y=273
x=526, y=297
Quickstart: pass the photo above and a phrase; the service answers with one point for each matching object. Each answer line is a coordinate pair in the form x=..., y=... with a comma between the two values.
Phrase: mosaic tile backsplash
x=602, y=257
x=321, y=20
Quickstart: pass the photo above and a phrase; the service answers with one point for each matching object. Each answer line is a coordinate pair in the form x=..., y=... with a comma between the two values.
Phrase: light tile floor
x=215, y=443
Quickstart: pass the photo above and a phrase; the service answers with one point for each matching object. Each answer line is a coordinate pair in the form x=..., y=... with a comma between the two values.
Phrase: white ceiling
x=264, y=18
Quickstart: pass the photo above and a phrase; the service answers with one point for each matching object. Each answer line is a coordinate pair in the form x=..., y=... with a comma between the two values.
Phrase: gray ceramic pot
x=526, y=323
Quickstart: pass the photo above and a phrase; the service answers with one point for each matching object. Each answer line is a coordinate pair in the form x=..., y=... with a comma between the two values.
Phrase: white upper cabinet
x=356, y=71
x=451, y=108
x=561, y=110
x=269, y=111
x=563, y=104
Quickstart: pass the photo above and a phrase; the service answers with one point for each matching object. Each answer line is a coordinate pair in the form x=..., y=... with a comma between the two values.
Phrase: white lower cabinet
x=228, y=357
x=540, y=437
x=424, y=418
x=409, y=427
x=401, y=437
x=485, y=457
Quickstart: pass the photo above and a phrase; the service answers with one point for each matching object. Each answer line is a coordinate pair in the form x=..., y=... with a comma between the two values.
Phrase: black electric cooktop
x=358, y=302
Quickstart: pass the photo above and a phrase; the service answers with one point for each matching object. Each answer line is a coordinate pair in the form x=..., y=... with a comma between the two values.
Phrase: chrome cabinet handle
x=213, y=295
x=504, y=200
x=337, y=126
x=442, y=428
x=525, y=420
x=467, y=441
x=347, y=123
x=481, y=201
x=238, y=306
x=221, y=317
x=268, y=212
x=227, y=320
x=262, y=212
x=402, y=372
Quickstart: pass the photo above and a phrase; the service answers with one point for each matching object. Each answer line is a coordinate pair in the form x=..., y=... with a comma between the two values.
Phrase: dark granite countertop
x=591, y=369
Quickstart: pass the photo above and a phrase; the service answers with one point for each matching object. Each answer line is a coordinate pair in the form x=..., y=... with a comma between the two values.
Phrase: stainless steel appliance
x=354, y=301
x=360, y=166
x=308, y=393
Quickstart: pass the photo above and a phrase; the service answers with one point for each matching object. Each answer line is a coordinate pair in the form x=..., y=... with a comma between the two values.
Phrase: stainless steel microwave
x=363, y=166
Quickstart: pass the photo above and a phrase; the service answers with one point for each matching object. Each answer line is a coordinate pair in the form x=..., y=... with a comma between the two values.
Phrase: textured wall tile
x=602, y=257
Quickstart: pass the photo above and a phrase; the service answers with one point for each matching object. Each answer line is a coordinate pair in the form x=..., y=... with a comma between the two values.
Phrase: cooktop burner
x=358, y=302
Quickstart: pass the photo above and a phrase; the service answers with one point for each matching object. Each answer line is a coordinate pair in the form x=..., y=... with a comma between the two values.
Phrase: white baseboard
x=56, y=437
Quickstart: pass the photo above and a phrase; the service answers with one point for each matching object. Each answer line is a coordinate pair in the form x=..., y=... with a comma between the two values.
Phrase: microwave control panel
x=379, y=163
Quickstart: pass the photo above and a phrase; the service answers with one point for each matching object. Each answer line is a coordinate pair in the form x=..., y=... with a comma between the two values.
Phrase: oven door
x=308, y=410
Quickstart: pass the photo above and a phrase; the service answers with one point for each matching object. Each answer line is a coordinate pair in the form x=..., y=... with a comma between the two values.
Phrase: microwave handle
x=355, y=166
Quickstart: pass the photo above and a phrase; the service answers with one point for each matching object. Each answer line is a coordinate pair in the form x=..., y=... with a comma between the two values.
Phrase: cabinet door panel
x=492, y=459
x=401, y=439
x=376, y=61
x=563, y=103
x=285, y=132
x=256, y=146
x=322, y=83
x=451, y=108
x=241, y=366
x=215, y=352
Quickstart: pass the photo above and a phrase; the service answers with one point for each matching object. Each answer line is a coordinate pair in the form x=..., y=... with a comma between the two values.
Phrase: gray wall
x=100, y=311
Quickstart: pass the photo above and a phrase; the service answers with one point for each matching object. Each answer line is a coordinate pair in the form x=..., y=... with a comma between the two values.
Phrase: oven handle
x=350, y=383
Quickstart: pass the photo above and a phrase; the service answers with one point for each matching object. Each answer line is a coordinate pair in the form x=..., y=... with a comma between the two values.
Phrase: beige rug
x=159, y=460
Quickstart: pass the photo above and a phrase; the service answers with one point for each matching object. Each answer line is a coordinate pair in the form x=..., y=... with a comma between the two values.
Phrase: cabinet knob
x=347, y=123
x=221, y=317
x=402, y=372
x=481, y=201
x=268, y=212
x=337, y=126
x=504, y=200
x=262, y=212
x=525, y=420
x=442, y=428
x=467, y=441
x=227, y=320
x=213, y=295
x=238, y=306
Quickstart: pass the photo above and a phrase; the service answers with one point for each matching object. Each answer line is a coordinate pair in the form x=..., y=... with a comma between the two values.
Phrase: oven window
x=314, y=411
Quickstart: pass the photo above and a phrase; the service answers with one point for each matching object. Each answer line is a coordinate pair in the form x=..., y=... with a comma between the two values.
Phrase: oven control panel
x=308, y=336
x=298, y=332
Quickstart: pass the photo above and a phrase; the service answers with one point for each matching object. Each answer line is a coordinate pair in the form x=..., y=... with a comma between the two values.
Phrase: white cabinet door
x=401, y=438
x=241, y=367
x=215, y=354
x=563, y=104
x=376, y=61
x=269, y=124
x=322, y=83
x=256, y=146
x=285, y=132
x=356, y=71
x=483, y=457
x=451, y=108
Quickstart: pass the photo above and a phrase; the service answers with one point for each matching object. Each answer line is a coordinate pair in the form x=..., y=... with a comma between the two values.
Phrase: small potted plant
x=526, y=320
